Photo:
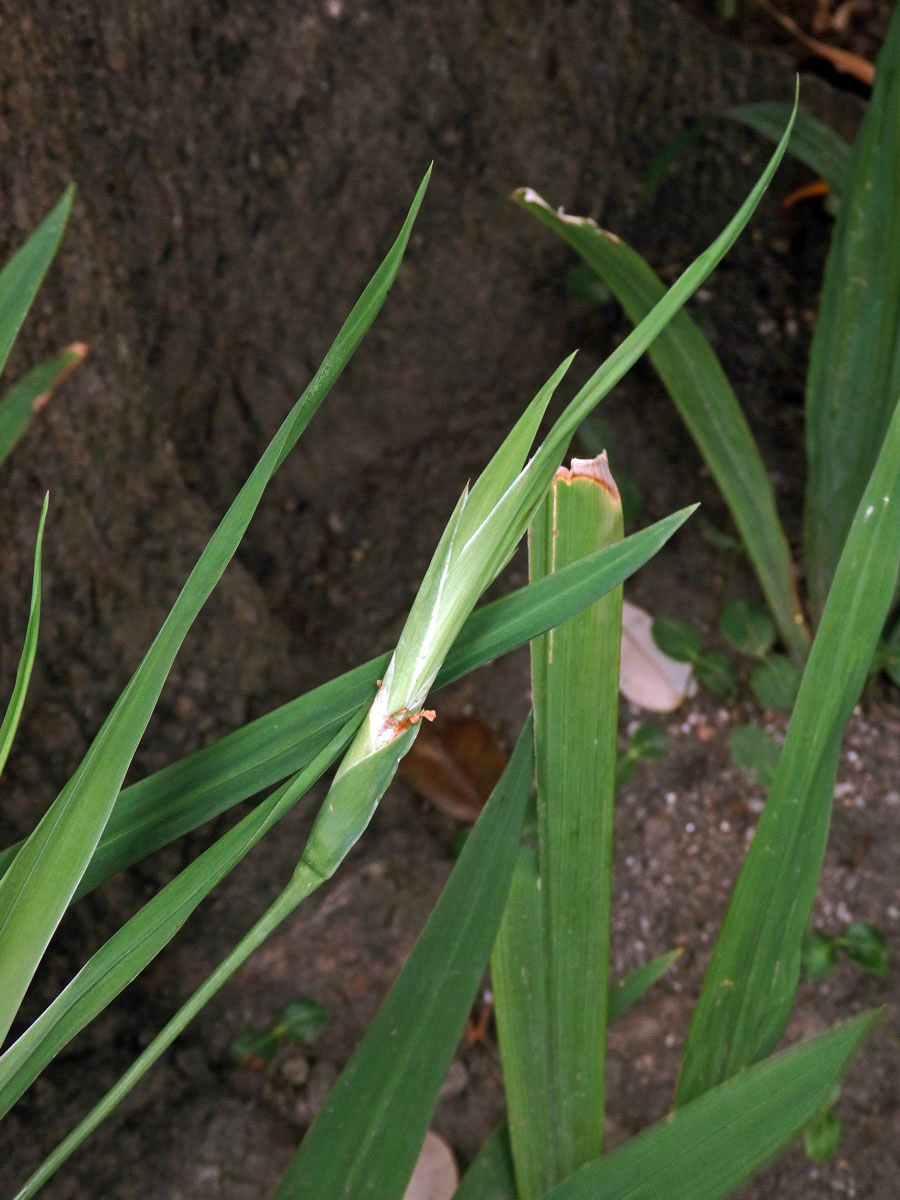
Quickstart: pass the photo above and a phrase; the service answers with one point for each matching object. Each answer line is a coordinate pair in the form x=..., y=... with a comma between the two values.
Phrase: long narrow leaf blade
x=492, y=1175
x=749, y=988
x=141, y=938
x=699, y=389
x=704, y=1150
x=155, y=811
x=551, y=997
x=10, y=722
x=641, y=338
x=519, y=967
x=22, y=275
x=627, y=991
x=485, y=553
x=39, y=885
x=812, y=142
x=367, y=1136
x=854, y=369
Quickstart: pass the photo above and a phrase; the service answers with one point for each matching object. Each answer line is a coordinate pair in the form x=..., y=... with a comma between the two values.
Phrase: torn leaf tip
x=596, y=469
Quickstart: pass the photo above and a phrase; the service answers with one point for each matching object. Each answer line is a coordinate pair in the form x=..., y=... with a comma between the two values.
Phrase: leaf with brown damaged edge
x=699, y=389
x=34, y=392
x=551, y=958
x=843, y=61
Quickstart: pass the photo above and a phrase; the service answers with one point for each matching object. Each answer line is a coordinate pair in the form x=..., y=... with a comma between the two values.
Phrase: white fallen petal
x=647, y=677
x=435, y=1176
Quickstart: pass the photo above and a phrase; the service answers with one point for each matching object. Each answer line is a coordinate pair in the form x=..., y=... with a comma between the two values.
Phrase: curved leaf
x=10, y=721
x=37, y=888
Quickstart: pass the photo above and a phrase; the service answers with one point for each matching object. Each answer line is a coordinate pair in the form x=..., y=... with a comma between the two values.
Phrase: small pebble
x=296, y=1070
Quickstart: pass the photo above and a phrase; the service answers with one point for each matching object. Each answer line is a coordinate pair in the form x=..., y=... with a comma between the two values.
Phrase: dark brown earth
x=241, y=169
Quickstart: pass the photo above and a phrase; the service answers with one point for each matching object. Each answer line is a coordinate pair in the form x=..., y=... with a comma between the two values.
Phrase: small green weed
x=300, y=1021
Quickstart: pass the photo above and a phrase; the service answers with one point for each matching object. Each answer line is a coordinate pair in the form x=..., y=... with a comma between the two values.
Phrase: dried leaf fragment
x=454, y=765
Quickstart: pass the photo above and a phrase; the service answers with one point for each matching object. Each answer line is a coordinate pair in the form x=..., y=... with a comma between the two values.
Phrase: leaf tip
x=74, y=355
x=594, y=469
x=527, y=195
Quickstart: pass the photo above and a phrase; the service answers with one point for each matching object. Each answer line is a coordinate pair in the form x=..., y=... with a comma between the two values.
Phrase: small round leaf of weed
x=818, y=956
x=748, y=628
x=677, y=639
x=648, y=741
x=300, y=1020
x=865, y=946
x=822, y=1136
x=717, y=672
x=775, y=682
x=253, y=1046
x=756, y=752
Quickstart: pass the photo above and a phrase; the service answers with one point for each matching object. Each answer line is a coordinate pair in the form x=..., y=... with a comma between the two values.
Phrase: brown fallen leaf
x=479, y=1021
x=809, y=191
x=454, y=765
x=826, y=21
x=842, y=60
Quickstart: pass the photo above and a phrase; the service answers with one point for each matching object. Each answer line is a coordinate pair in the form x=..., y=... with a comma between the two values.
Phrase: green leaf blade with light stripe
x=22, y=275
x=552, y=995
x=854, y=369
x=491, y=1174
x=749, y=988
x=10, y=722
x=699, y=389
x=179, y=798
x=704, y=1150
x=40, y=883
x=367, y=1136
